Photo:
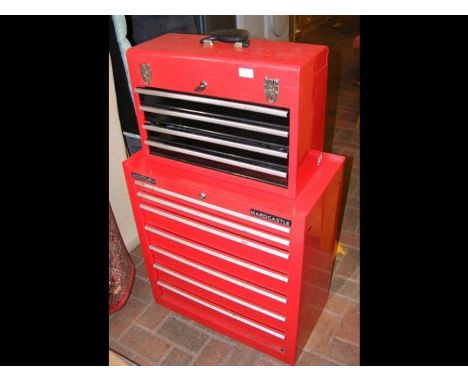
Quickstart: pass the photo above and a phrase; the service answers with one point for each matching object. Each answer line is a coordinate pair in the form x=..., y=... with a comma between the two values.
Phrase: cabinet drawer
x=215, y=204
x=210, y=219
x=237, y=139
x=251, y=250
x=216, y=260
x=242, y=288
x=221, y=298
x=221, y=316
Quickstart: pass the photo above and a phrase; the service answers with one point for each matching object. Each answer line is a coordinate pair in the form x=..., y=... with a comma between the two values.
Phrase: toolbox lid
x=296, y=61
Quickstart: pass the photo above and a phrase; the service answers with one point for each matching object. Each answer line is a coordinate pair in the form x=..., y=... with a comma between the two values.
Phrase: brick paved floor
x=148, y=334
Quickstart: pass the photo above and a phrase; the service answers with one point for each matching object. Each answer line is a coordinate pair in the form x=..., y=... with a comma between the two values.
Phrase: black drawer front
x=183, y=119
x=238, y=138
x=248, y=112
x=224, y=148
x=224, y=167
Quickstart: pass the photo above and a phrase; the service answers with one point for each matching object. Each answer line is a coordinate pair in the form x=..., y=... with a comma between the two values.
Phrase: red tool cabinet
x=236, y=205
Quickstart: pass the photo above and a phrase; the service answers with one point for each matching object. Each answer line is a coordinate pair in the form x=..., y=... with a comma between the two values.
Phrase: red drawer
x=221, y=280
x=210, y=219
x=251, y=250
x=219, y=261
x=238, y=212
x=223, y=299
x=222, y=317
x=235, y=202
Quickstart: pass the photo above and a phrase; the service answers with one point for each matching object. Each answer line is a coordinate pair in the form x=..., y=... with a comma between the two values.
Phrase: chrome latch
x=271, y=88
x=201, y=87
x=207, y=43
x=145, y=71
x=238, y=45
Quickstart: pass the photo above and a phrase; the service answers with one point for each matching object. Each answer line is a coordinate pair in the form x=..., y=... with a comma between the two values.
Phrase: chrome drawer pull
x=281, y=174
x=218, y=292
x=222, y=311
x=219, y=274
x=214, y=207
x=216, y=102
x=218, y=255
x=237, y=125
x=217, y=141
x=216, y=232
x=215, y=219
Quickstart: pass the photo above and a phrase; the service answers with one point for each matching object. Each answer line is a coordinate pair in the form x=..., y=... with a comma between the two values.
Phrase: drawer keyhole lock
x=201, y=87
x=202, y=196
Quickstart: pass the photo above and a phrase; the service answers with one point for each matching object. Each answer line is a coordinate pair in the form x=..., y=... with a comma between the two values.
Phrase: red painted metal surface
x=251, y=278
x=179, y=63
x=296, y=288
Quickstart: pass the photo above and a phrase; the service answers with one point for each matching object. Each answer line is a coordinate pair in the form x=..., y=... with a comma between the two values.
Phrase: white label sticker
x=245, y=72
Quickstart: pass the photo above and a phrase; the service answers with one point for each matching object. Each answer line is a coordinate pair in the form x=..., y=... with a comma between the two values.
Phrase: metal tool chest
x=236, y=205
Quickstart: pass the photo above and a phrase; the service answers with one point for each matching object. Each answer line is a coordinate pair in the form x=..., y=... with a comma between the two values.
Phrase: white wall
x=255, y=24
x=118, y=194
x=265, y=26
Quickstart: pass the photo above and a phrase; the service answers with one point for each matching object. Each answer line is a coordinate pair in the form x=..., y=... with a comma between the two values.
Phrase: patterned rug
x=121, y=268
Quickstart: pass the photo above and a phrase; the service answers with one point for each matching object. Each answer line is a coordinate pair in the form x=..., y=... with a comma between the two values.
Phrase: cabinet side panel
x=312, y=105
x=318, y=257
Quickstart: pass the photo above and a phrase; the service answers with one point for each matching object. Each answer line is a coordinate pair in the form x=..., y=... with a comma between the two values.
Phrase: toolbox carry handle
x=240, y=37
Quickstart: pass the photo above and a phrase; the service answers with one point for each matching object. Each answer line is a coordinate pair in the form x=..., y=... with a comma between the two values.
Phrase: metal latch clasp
x=271, y=89
x=145, y=72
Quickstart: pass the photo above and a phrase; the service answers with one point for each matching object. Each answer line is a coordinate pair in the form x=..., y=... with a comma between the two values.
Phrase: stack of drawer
x=209, y=258
x=236, y=137
x=236, y=205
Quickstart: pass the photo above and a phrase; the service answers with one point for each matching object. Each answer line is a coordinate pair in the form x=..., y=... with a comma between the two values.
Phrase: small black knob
x=201, y=87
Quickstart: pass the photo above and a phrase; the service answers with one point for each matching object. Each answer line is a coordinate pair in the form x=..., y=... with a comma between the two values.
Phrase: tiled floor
x=148, y=334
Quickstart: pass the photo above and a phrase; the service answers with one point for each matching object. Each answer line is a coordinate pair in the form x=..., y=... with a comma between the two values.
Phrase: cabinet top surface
x=265, y=52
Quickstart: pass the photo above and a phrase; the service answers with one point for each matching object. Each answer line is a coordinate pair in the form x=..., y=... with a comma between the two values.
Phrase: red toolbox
x=236, y=205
